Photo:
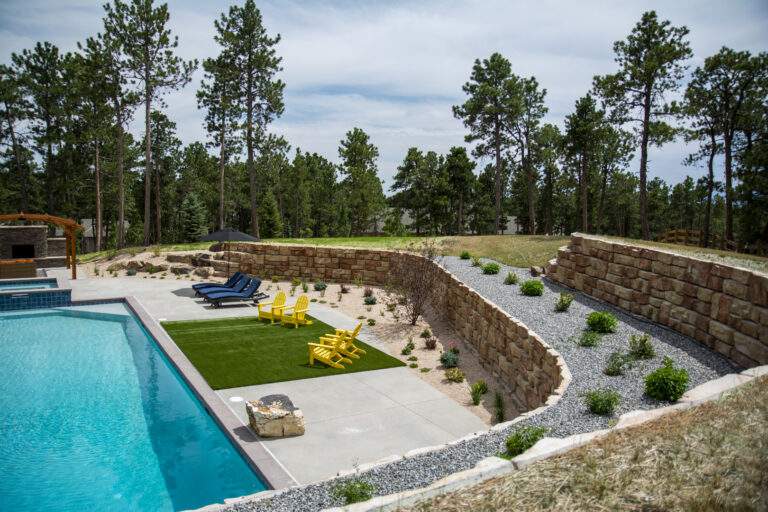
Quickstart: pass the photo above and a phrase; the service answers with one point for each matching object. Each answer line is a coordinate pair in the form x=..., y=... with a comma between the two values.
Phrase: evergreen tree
x=193, y=218
x=461, y=179
x=271, y=224
x=14, y=110
x=360, y=181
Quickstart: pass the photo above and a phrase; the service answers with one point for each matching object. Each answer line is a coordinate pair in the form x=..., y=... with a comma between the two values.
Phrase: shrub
x=425, y=370
x=532, y=288
x=275, y=279
x=358, y=280
x=616, y=364
x=666, y=383
x=408, y=348
x=343, y=288
x=371, y=322
x=476, y=261
x=511, y=278
x=426, y=333
x=498, y=407
x=319, y=286
x=353, y=491
x=454, y=349
x=523, y=438
x=369, y=301
x=602, y=322
x=368, y=292
x=640, y=347
x=391, y=306
x=454, y=375
x=313, y=300
x=413, y=358
x=465, y=255
x=491, y=268
x=588, y=339
x=430, y=343
x=477, y=390
x=413, y=365
x=602, y=401
x=295, y=282
x=564, y=302
x=304, y=287
x=449, y=359
x=130, y=272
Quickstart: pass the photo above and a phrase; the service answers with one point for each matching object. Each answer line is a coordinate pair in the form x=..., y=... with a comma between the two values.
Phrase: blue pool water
x=94, y=417
x=27, y=285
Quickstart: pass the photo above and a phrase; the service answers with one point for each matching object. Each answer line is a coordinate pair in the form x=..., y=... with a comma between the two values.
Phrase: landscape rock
x=203, y=271
x=136, y=265
x=179, y=258
x=181, y=269
x=536, y=271
x=275, y=416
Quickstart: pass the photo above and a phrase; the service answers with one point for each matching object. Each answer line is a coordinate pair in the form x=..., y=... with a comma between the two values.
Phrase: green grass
x=236, y=352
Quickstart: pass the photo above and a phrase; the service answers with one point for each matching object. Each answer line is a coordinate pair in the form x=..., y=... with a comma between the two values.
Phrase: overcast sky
x=395, y=69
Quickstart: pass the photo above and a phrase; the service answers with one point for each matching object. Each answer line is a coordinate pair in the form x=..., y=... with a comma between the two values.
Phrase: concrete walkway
x=351, y=419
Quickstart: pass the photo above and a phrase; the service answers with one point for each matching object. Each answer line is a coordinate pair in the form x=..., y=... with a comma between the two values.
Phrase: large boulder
x=135, y=265
x=275, y=416
x=203, y=271
x=179, y=258
x=180, y=269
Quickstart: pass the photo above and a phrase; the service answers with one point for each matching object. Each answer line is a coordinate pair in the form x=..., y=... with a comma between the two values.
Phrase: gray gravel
x=566, y=417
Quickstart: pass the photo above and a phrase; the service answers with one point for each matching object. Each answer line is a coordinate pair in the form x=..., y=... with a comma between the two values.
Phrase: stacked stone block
x=723, y=307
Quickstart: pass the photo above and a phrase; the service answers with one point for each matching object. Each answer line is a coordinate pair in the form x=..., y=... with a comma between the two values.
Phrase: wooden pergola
x=70, y=230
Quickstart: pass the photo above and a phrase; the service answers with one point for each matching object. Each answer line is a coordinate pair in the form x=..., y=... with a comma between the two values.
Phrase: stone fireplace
x=32, y=242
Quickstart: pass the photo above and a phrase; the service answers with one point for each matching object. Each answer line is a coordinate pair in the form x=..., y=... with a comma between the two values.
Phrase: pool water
x=27, y=285
x=94, y=417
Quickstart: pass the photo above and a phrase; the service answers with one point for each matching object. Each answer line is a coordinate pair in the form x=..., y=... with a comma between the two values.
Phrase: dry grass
x=711, y=457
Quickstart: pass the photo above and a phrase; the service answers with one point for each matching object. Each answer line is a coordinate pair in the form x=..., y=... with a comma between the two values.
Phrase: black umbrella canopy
x=228, y=235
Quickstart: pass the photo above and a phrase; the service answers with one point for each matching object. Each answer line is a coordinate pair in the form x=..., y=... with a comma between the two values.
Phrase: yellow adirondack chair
x=298, y=312
x=345, y=342
x=328, y=354
x=275, y=313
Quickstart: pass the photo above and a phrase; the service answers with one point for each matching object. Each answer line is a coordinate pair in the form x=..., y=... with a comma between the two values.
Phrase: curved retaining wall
x=534, y=372
x=723, y=307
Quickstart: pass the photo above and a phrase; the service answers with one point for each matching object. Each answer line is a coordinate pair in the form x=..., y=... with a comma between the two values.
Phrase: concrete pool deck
x=350, y=419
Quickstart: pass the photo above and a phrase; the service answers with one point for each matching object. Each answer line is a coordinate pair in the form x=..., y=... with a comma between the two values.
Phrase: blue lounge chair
x=249, y=293
x=238, y=287
x=229, y=284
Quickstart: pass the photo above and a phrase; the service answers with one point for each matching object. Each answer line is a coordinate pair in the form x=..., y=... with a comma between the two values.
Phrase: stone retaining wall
x=534, y=372
x=723, y=307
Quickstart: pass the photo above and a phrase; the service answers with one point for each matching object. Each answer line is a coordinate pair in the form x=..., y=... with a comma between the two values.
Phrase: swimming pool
x=36, y=284
x=94, y=417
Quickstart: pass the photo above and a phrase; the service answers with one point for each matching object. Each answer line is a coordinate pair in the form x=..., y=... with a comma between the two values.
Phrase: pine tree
x=193, y=218
x=360, y=182
x=271, y=224
x=461, y=179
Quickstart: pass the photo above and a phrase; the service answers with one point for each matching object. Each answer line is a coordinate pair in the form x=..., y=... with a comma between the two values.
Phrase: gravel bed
x=568, y=416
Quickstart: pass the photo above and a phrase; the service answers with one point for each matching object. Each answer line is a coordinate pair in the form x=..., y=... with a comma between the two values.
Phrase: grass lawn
x=236, y=352
x=711, y=457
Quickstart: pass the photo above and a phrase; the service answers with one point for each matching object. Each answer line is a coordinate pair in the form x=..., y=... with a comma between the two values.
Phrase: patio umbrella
x=228, y=235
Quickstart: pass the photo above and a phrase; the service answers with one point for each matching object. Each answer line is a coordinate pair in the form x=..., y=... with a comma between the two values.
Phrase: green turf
x=236, y=352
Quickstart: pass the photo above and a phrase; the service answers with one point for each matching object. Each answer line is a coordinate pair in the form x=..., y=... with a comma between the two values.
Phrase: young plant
x=465, y=255
x=491, y=268
x=320, y=286
x=564, y=302
x=511, y=278
x=616, y=364
x=371, y=322
x=602, y=322
x=449, y=359
x=532, y=288
x=304, y=287
x=353, y=491
x=476, y=261
x=602, y=401
x=498, y=407
x=413, y=365
x=295, y=282
x=640, y=347
x=666, y=383
x=588, y=339
x=412, y=358
x=477, y=390
x=430, y=343
x=368, y=292
x=343, y=288
x=425, y=370
x=408, y=347
x=358, y=280
x=454, y=375
x=522, y=439
x=369, y=300
x=426, y=333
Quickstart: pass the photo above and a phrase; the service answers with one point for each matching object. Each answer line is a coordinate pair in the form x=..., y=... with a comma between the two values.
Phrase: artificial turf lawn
x=234, y=352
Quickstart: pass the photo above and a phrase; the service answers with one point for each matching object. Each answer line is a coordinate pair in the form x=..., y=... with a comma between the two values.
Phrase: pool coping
x=258, y=457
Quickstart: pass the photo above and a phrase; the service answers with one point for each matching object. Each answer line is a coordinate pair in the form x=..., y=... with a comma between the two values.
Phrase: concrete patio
x=350, y=419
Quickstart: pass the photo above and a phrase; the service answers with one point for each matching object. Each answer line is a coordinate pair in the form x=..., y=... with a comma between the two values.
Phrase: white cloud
x=395, y=69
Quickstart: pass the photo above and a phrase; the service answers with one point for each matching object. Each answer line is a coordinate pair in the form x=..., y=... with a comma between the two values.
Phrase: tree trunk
x=147, y=163
x=22, y=174
x=249, y=143
x=583, y=194
x=222, y=164
x=158, y=209
x=601, y=204
x=531, y=194
x=48, y=167
x=497, y=177
x=727, y=148
x=97, y=172
x=460, y=229
x=120, y=236
x=646, y=233
x=710, y=189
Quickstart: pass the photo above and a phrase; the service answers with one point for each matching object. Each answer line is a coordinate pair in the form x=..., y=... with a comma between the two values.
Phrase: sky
x=395, y=68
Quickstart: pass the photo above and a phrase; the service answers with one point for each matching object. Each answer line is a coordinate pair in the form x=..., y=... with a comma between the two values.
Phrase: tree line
x=67, y=149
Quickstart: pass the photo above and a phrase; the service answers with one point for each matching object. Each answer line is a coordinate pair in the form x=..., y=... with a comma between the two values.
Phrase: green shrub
x=449, y=359
x=312, y=300
x=408, y=348
x=564, y=302
x=491, y=268
x=640, y=347
x=602, y=401
x=666, y=383
x=426, y=333
x=616, y=364
x=477, y=390
x=343, y=288
x=465, y=255
x=371, y=322
x=454, y=349
x=476, y=261
x=358, y=280
x=413, y=358
x=414, y=365
x=295, y=282
x=523, y=438
x=304, y=287
x=369, y=301
x=532, y=288
x=320, y=286
x=353, y=491
x=511, y=278
x=498, y=407
x=602, y=322
x=425, y=370
x=454, y=375
x=588, y=339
